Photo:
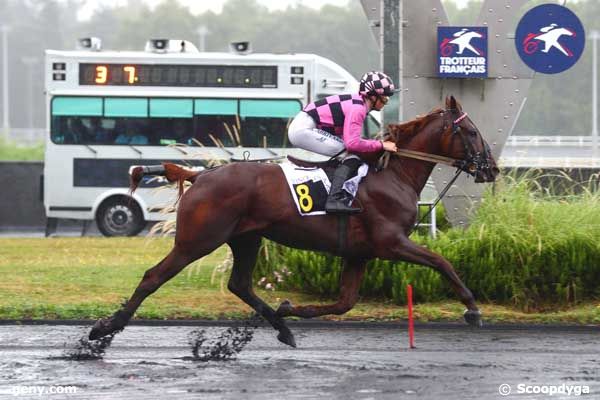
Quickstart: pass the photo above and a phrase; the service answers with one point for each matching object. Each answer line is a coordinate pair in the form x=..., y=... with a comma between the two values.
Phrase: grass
x=80, y=278
x=10, y=151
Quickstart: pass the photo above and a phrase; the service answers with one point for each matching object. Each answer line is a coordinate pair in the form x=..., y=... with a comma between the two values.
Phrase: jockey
x=333, y=125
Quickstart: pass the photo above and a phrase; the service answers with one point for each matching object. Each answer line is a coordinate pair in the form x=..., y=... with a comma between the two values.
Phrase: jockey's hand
x=389, y=146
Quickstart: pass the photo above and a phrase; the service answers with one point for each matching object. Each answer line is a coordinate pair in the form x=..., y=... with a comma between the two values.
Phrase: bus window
x=371, y=127
x=174, y=108
x=171, y=121
x=67, y=118
x=132, y=131
x=166, y=131
x=264, y=132
x=217, y=130
x=125, y=107
x=69, y=130
x=103, y=130
x=68, y=106
x=216, y=122
x=264, y=122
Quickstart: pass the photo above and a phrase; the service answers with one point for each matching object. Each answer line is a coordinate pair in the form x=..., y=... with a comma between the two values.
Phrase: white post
x=594, y=36
x=202, y=31
x=400, y=83
x=433, y=225
x=30, y=63
x=5, y=107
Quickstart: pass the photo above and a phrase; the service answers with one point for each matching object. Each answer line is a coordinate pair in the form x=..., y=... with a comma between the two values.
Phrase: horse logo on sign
x=550, y=38
x=463, y=41
x=462, y=52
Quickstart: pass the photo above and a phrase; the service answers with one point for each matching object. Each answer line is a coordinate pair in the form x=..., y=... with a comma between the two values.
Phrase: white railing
x=577, y=141
x=25, y=136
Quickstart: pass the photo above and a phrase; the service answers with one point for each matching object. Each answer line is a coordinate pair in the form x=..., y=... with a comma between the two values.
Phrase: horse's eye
x=473, y=133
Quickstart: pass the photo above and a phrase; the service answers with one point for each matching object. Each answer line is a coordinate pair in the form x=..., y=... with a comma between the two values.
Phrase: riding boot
x=338, y=199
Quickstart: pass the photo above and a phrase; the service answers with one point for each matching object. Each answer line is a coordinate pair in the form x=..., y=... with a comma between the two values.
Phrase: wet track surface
x=346, y=362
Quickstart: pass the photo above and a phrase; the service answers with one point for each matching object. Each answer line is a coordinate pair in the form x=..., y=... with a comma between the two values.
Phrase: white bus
x=108, y=110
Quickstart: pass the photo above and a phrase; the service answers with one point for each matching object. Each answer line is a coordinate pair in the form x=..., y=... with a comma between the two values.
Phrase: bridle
x=473, y=162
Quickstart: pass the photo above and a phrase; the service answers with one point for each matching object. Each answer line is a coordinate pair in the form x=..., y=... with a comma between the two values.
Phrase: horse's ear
x=455, y=104
x=452, y=104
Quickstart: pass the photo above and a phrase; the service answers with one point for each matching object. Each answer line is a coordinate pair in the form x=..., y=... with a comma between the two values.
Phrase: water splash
x=226, y=346
x=86, y=349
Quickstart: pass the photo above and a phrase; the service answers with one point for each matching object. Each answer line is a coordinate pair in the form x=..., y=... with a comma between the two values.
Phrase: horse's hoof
x=101, y=328
x=106, y=326
x=287, y=338
x=284, y=309
x=473, y=318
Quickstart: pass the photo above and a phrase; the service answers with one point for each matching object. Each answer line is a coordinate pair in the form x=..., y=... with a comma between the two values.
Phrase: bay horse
x=240, y=203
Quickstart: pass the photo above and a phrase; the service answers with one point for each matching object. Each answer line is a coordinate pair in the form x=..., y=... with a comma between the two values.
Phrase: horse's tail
x=172, y=172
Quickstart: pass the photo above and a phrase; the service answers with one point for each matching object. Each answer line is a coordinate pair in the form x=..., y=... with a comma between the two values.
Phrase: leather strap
x=342, y=233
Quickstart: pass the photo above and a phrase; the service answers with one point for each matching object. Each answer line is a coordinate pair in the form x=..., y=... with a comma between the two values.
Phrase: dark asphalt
x=340, y=362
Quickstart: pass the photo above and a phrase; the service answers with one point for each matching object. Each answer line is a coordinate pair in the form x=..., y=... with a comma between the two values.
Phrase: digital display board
x=232, y=76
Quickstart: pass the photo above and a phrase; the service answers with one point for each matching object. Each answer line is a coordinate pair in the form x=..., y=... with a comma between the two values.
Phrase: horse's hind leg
x=155, y=277
x=350, y=280
x=200, y=230
x=245, y=250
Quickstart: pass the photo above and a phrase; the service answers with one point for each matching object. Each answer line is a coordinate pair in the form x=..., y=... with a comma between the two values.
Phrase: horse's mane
x=405, y=130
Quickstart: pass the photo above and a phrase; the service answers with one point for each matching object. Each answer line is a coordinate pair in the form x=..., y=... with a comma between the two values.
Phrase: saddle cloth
x=310, y=186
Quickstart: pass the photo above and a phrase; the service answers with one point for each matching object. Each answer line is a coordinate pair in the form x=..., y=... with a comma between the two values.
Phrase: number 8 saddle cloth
x=310, y=186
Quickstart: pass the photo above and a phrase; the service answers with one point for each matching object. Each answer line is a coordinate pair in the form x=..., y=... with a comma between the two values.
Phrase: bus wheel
x=120, y=216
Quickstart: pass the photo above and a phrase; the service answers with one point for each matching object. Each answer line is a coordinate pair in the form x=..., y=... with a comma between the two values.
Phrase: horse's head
x=462, y=140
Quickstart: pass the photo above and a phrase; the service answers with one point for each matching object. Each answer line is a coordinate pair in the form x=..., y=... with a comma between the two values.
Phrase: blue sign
x=550, y=38
x=462, y=51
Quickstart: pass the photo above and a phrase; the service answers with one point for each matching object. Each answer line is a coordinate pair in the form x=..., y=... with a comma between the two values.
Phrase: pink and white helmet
x=376, y=83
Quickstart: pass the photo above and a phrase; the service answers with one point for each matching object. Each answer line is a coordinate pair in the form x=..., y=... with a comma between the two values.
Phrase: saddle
x=332, y=163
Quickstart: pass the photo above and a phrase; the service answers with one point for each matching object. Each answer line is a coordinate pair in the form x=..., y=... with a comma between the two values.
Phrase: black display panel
x=233, y=76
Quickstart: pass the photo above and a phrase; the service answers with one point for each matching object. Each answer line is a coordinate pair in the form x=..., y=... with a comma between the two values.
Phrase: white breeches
x=303, y=133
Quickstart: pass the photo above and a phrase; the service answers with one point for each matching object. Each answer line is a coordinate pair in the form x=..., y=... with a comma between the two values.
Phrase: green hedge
x=527, y=245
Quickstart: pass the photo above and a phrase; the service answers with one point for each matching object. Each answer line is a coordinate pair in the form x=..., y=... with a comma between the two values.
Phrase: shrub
x=532, y=243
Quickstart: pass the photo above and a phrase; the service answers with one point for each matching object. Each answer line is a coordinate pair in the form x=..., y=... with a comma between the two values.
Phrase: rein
x=453, y=162
x=437, y=159
x=435, y=203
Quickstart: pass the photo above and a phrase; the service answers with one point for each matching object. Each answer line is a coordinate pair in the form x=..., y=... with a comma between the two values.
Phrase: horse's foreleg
x=408, y=251
x=245, y=250
x=350, y=280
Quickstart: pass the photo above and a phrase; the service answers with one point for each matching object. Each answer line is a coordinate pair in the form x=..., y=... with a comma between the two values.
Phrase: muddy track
x=348, y=362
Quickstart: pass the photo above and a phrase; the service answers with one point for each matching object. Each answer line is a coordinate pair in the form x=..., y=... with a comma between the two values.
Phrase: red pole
x=411, y=327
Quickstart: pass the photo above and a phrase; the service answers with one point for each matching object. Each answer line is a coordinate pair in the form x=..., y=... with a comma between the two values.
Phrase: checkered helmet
x=376, y=84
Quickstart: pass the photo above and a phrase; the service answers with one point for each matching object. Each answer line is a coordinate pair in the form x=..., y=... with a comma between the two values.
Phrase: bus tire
x=120, y=216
